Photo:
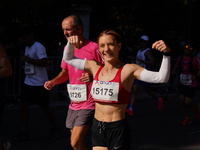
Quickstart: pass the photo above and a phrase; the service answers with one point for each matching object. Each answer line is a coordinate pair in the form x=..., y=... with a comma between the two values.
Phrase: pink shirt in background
x=89, y=51
x=183, y=63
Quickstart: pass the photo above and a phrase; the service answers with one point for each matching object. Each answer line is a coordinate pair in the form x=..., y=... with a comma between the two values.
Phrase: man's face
x=188, y=50
x=143, y=43
x=68, y=29
x=28, y=39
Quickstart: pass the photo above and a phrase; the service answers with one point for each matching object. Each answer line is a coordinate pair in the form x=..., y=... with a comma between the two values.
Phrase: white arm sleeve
x=157, y=77
x=68, y=57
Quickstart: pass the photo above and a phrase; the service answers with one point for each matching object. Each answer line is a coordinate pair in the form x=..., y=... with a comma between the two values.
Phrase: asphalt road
x=151, y=129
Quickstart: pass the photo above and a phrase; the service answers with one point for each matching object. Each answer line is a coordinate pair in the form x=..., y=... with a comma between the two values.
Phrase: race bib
x=186, y=79
x=105, y=91
x=29, y=69
x=77, y=92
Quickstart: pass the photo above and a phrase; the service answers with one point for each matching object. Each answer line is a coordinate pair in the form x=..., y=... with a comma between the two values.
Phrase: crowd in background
x=16, y=49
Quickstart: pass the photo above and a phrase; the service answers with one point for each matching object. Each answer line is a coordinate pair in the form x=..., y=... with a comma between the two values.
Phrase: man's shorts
x=35, y=94
x=187, y=91
x=114, y=135
x=82, y=117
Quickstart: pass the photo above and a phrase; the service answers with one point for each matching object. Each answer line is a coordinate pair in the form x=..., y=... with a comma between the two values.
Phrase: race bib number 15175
x=105, y=90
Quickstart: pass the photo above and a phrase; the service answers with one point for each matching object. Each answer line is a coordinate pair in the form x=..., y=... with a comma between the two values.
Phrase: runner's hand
x=161, y=46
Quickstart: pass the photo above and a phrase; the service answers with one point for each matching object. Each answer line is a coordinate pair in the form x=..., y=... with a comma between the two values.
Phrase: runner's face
x=109, y=48
x=188, y=50
x=68, y=29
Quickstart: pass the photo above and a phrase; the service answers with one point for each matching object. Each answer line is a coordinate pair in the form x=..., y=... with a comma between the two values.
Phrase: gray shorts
x=81, y=117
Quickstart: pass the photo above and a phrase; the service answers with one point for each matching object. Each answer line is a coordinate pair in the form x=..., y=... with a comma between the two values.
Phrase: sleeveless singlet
x=109, y=91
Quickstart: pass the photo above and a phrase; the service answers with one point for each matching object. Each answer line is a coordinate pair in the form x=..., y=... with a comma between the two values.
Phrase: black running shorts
x=113, y=135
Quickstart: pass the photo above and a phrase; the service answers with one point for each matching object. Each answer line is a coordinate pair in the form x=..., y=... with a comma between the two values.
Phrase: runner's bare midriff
x=109, y=112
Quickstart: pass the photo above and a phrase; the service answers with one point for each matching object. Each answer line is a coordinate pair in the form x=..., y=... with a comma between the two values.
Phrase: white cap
x=145, y=38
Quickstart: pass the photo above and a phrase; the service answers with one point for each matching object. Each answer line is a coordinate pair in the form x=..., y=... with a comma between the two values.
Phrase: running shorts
x=187, y=91
x=113, y=135
x=82, y=117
